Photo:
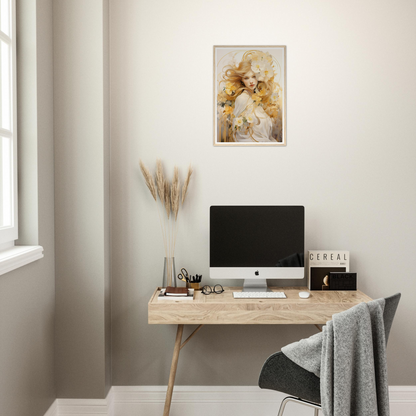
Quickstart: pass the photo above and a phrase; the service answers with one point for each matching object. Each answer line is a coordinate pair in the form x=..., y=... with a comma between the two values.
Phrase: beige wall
x=349, y=159
x=82, y=198
x=27, y=295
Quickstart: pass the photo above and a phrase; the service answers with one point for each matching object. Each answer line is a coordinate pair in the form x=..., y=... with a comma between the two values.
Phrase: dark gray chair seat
x=281, y=374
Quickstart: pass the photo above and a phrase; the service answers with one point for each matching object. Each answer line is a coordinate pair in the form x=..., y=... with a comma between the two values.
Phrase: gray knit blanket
x=349, y=356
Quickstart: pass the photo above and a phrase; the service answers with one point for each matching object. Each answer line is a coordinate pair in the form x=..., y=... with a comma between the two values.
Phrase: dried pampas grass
x=186, y=183
x=160, y=180
x=148, y=179
x=167, y=197
x=174, y=193
x=170, y=198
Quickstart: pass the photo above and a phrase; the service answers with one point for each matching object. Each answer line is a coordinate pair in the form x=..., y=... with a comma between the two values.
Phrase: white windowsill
x=18, y=256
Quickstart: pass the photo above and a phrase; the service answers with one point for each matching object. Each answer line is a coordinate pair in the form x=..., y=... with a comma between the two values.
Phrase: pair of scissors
x=184, y=275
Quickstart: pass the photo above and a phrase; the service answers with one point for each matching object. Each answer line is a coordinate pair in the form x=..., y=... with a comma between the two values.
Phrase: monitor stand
x=255, y=285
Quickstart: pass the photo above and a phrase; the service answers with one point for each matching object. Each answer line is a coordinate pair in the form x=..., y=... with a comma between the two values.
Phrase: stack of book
x=176, y=293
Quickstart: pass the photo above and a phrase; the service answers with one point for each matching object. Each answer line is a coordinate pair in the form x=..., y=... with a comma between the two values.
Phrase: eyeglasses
x=207, y=290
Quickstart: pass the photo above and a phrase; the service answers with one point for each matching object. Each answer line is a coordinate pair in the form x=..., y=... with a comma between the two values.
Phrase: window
x=11, y=256
x=8, y=146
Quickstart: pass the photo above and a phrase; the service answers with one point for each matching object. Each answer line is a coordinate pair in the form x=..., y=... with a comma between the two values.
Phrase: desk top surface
x=218, y=309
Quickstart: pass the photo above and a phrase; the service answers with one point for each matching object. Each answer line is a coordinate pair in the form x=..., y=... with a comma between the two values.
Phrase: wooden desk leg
x=173, y=368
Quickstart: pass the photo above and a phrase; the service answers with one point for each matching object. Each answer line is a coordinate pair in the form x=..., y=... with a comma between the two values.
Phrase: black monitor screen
x=257, y=236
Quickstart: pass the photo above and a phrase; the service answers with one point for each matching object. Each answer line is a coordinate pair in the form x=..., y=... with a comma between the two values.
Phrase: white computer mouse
x=304, y=295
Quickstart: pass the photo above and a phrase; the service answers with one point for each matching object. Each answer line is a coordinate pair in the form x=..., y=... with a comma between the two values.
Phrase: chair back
x=390, y=308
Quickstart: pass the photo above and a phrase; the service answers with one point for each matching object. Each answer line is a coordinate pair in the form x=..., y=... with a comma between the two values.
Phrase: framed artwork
x=249, y=95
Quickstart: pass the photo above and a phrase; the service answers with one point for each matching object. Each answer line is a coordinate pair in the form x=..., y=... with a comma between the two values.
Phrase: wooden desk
x=223, y=309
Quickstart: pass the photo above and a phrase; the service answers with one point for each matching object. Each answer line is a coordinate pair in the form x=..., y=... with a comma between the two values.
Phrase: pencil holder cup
x=195, y=286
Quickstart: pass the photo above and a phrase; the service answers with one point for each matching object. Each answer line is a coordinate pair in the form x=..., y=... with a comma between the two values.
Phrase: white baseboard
x=205, y=401
x=402, y=400
x=83, y=407
x=197, y=400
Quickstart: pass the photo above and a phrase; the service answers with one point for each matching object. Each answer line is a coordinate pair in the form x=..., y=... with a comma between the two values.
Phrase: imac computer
x=256, y=242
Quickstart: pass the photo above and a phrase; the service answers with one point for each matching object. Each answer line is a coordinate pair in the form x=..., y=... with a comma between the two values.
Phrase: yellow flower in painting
x=261, y=92
x=275, y=96
x=250, y=119
x=266, y=73
x=257, y=66
x=256, y=98
x=239, y=121
x=228, y=110
x=230, y=88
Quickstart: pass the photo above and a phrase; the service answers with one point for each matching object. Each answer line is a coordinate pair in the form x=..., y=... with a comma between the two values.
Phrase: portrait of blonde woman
x=250, y=95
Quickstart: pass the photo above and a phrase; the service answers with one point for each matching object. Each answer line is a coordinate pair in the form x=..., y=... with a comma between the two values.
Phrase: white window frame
x=9, y=232
x=11, y=256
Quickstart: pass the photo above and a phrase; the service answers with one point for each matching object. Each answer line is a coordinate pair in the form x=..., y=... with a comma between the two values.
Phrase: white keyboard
x=259, y=295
